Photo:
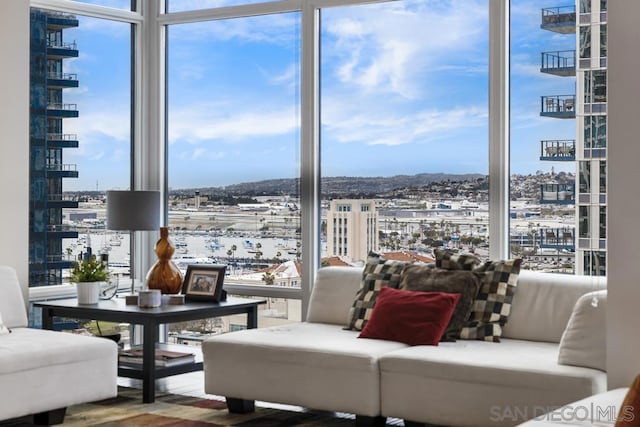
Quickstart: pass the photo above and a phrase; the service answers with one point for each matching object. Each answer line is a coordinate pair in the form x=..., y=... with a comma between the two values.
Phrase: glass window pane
x=234, y=144
x=585, y=6
x=585, y=42
x=603, y=177
x=543, y=149
x=403, y=116
x=584, y=222
x=603, y=41
x=600, y=86
x=600, y=131
x=585, y=176
x=80, y=137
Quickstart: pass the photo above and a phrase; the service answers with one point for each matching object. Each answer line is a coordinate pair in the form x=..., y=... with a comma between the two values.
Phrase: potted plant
x=89, y=275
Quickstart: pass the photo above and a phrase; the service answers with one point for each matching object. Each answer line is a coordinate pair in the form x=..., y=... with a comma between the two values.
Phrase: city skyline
x=399, y=96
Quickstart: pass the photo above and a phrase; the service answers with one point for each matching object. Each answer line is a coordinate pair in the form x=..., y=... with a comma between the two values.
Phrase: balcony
x=57, y=231
x=559, y=194
x=61, y=20
x=62, y=170
x=62, y=201
x=557, y=238
x=559, y=19
x=58, y=50
x=559, y=63
x=559, y=150
x=62, y=111
x=558, y=106
x=62, y=140
x=62, y=80
x=60, y=261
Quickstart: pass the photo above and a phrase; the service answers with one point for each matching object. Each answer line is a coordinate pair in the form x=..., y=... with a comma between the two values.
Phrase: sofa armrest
x=12, y=306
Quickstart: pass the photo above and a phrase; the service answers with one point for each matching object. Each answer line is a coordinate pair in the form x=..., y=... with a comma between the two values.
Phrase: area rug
x=171, y=410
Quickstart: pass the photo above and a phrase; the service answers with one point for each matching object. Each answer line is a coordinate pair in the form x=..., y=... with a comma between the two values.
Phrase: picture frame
x=204, y=282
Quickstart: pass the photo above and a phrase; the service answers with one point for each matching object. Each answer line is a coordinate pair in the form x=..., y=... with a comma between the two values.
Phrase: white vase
x=88, y=292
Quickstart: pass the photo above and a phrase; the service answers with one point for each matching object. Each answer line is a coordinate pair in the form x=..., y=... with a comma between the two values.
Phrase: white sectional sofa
x=320, y=365
x=42, y=372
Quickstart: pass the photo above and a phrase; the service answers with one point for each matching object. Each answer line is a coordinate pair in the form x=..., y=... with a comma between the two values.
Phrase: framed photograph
x=203, y=282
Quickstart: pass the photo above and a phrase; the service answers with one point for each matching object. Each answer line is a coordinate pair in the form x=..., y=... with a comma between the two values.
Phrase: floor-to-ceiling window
x=234, y=149
x=543, y=135
x=80, y=142
x=404, y=129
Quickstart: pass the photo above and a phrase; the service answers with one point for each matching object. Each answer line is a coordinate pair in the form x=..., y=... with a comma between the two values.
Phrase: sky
x=404, y=94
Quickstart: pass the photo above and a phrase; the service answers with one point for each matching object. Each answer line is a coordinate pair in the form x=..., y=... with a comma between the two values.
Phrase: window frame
x=149, y=136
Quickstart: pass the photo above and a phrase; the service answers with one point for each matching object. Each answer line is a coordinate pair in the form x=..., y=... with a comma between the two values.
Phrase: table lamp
x=133, y=211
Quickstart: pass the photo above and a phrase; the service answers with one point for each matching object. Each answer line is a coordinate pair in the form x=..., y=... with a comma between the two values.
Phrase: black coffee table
x=115, y=310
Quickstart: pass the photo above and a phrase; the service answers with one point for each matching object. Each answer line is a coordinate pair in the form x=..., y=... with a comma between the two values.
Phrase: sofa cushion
x=549, y=298
x=414, y=318
x=492, y=305
x=302, y=364
x=417, y=277
x=25, y=349
x=453, y=261
x=332, y=294
x=378, y=273
x=3, y=329
x=477, y=379
x=584, y=341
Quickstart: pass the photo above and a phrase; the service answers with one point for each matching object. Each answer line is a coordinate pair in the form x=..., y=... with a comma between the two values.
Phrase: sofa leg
x=408, y=423
x=240, y=406
x=364, y=421
x=55, y=416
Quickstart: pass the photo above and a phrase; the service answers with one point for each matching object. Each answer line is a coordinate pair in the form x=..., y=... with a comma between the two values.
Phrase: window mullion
x=310, y=150
x=499, y=128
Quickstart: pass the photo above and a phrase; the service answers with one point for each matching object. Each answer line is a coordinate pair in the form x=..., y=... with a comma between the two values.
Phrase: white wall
x=14, y=137
x=623, y=313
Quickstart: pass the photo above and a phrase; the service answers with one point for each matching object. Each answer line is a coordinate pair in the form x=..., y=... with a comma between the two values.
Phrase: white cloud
x=207, y=122
x=414, y=127
x=274, y=29
x=101, y=134
x=393, y=54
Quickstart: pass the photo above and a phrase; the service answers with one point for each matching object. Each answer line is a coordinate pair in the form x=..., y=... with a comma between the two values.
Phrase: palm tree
x=234, y=248
x=268, y=278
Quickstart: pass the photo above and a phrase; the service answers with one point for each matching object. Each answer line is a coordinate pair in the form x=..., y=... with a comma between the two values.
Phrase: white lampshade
x=133, y=210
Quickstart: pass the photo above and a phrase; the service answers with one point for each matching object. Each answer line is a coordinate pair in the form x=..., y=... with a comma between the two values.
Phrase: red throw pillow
x=414, y=318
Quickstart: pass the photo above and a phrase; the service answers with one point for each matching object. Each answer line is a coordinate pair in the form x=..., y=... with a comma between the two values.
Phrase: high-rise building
x=47, y=142
x=352, y=228
x=586, y=23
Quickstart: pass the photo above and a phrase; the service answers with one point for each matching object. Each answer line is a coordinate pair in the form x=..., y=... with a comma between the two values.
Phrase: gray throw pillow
x=418, y=277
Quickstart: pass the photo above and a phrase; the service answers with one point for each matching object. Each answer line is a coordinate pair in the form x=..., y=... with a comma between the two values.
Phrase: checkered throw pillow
x=378, y=273
x=492, y=306
x=451, y=261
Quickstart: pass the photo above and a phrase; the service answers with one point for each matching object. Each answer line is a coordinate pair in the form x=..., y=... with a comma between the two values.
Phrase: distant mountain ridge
x=338, y=185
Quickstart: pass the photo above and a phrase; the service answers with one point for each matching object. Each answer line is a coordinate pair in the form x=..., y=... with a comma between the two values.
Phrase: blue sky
x=400, y=95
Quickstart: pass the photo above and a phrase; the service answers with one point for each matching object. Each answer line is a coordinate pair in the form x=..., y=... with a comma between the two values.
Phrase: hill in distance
x=337, y=186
